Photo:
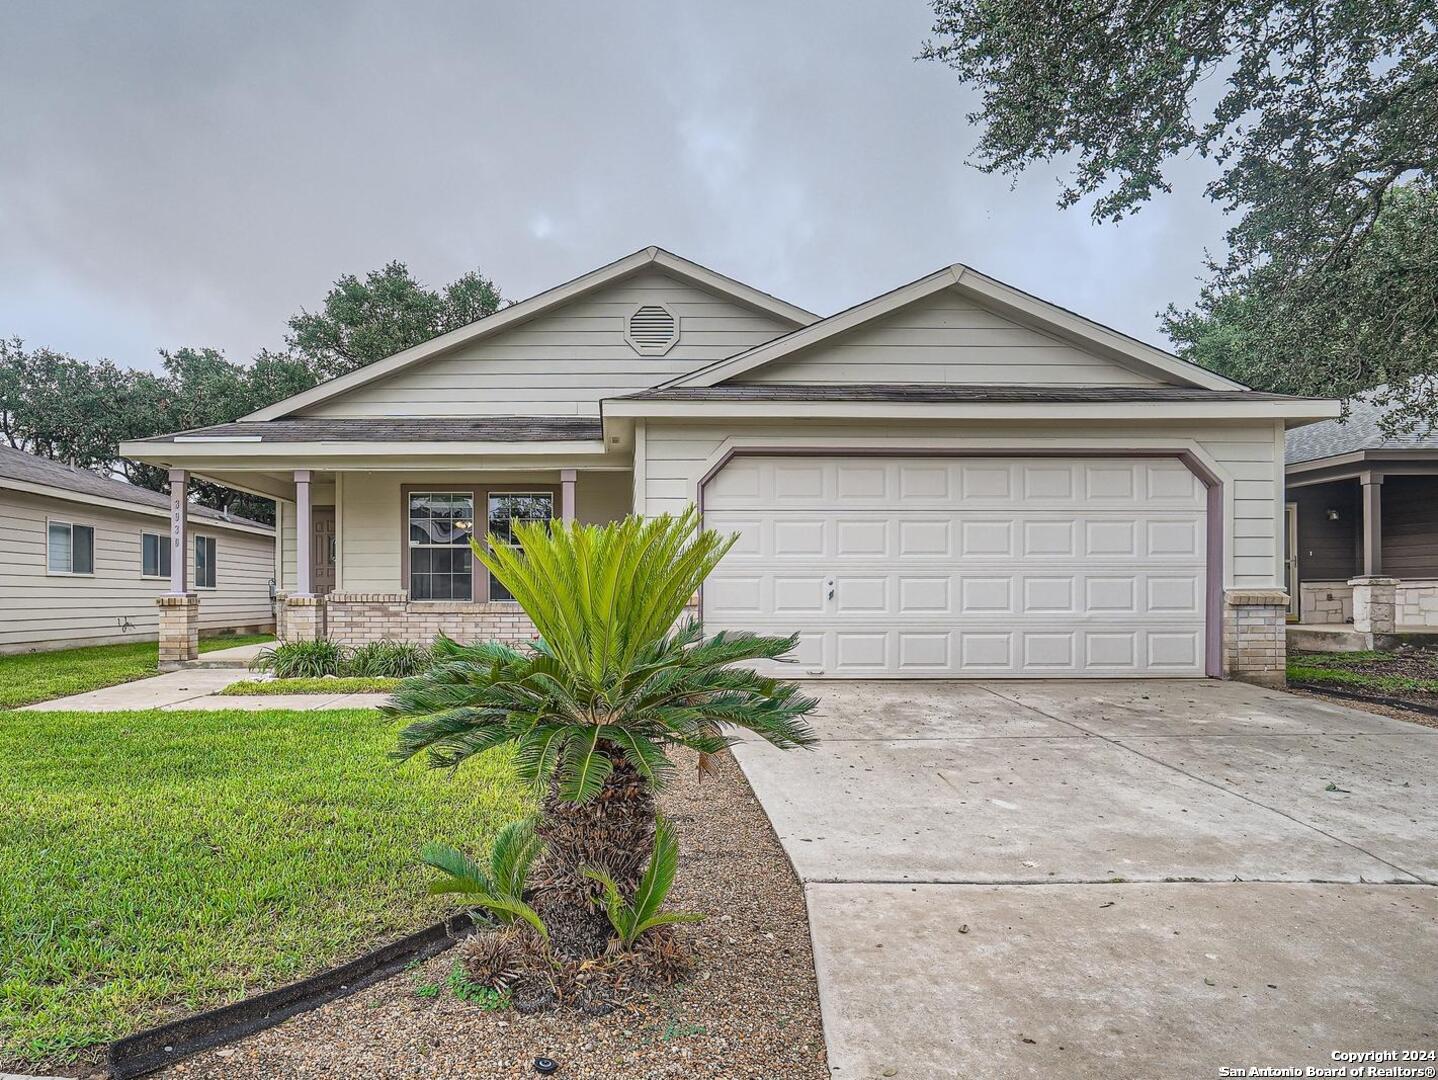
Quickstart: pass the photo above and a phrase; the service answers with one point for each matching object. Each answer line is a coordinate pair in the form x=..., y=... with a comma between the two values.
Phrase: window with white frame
x=204, y=562
x=70, y=548
x=507, y=507
x=154, y=555
x=441, y=565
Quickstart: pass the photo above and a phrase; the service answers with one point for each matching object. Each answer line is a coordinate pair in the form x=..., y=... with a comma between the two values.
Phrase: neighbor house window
x=204, y=562
x=70, y=548
x=154, y=555
x=510, y=506
x=441, y=566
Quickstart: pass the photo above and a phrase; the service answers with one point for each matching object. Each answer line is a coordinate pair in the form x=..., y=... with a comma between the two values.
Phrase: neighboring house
x=1362, y=504
x=952, y=479
x=85, y=559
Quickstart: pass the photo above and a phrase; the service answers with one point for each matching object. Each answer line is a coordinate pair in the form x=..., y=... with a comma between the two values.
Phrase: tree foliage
x=1370, y=319
x=1320, y=117
x=78, y=412
x=388, y=312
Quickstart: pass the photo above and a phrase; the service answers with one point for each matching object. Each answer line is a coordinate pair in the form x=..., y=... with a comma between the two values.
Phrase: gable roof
x=1359, y=432
x=29, y=473
x=535, y=306
x=1051, y=318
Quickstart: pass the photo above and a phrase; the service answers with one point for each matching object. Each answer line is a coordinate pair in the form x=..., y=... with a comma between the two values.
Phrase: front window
x=204, y=562
x=154, y=555
x=504, y=509
x=70, y=549
x=441, y=566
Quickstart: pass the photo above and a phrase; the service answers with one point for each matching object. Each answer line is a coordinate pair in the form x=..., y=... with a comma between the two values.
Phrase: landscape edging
x=157, y=1047
x=1372, y=699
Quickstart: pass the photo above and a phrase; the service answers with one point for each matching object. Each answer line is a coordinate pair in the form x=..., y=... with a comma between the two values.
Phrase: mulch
x=750, y=1009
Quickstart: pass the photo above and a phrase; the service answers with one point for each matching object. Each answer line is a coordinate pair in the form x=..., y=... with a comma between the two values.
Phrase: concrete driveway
x=1110, y=879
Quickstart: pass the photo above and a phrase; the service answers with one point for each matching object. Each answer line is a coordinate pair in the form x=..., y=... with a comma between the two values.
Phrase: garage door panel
x=1031, y=566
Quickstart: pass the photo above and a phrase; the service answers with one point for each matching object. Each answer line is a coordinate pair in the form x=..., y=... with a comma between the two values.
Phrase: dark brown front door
x=322, y=550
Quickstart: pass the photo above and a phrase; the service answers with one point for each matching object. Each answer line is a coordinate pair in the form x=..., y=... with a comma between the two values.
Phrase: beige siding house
x=954, y=479
x=86, y=558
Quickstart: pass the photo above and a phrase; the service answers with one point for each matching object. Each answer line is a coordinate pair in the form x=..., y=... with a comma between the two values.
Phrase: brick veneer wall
x=1255, y=646
x=179, y=627
x=357, y=618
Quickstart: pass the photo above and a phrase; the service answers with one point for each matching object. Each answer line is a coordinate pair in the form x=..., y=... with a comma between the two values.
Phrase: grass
x=156, y=863
x=331, y=685
x=26, y=678
x=1339, y=670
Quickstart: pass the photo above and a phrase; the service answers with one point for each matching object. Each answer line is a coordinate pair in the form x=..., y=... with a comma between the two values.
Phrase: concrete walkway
x=1110, y=879
x=199, y=688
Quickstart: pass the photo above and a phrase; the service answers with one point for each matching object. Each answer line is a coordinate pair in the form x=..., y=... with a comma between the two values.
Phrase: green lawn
x=154, y=863
x=1413, y=676
x=337, y=685
x=30, y=677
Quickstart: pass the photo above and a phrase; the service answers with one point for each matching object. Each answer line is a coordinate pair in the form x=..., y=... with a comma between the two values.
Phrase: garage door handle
x=829, y=588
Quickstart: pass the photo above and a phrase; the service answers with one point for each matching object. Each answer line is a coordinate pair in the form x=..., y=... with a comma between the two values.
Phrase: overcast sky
x=192, y=173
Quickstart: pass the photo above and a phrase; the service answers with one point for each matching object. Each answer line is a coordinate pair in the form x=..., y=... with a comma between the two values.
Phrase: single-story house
x=952, y=479
x=1363, y=506
x=86, y=558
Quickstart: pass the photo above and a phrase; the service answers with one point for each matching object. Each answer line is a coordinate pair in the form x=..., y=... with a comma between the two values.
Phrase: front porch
x=387, y=555
x=1363, y=551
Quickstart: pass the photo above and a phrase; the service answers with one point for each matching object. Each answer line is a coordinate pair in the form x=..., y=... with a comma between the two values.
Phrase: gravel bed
x=750, y=1009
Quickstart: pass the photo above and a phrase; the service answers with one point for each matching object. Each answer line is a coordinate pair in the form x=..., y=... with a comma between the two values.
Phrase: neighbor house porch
x=1363, y=549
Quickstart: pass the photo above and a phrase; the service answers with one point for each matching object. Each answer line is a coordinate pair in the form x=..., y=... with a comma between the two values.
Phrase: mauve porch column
x=1372, y=482
x=567, y=480
x=179, y=520
x=304, y=534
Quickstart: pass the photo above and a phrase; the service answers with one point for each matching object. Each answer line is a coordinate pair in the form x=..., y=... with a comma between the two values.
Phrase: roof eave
x=88, y=499
x=1296, y=410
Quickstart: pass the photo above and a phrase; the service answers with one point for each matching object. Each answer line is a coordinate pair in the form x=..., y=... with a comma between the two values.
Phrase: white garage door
x=961, y=566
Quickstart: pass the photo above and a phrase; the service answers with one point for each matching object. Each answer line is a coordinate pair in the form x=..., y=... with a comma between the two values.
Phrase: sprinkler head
x=544, y=1066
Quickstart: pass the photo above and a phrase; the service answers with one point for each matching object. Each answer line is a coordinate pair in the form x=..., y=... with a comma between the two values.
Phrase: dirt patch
x=750, y=1010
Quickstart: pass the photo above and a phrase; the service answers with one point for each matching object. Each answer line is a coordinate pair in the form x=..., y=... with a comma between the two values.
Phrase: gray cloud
x=192, y=173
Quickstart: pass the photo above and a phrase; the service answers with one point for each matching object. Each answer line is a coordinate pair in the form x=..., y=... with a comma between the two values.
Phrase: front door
x=322, y=550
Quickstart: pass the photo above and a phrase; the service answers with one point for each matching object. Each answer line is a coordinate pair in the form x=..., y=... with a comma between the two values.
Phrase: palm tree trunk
x=613, y=832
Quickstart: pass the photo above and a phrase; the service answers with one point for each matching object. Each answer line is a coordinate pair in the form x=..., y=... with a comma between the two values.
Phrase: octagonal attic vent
x=651, y=329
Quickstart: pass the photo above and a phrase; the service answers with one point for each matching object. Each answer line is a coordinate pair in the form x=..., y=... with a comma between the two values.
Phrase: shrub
x=389, y=660
x=631, y=918
x=497, y=890
x=301, y=660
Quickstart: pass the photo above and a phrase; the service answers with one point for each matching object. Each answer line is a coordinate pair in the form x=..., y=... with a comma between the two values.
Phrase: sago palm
x=614, y=680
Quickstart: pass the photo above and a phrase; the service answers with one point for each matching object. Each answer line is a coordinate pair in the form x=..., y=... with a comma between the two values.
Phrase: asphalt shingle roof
x=1358, y=431
x=27, y=468
x=945, y=392
x=423, y=429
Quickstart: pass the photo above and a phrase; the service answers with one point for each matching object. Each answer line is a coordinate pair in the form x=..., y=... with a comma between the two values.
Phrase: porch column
x=179, y=609
x=179, y=520
x=1372, y=483
x=304, y=534
x=567, y=479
